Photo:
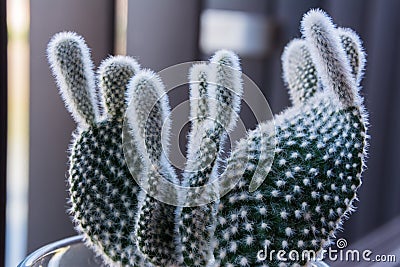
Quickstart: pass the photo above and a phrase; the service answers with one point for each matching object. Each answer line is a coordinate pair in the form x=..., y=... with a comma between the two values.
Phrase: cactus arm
x=69, y=58
x=148, y=114
x=328, y=54
x=113, y=76
x=299, y=71
x=199, y=83
x=227, y=91
x=201, y=123
x=352, y=45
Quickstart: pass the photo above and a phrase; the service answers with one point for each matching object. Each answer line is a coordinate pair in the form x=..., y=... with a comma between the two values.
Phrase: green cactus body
x=103, y=200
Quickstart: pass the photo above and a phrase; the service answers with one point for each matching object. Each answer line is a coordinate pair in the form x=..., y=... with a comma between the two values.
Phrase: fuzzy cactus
x=103, y=196
x=288, y=185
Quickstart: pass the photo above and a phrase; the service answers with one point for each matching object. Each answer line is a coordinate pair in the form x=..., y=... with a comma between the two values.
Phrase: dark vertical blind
x=3, y=126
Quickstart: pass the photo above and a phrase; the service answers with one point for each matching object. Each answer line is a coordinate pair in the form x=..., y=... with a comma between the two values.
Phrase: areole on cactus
x=307, y=161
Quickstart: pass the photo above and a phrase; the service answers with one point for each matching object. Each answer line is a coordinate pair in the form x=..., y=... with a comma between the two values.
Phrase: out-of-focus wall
x=50, y=123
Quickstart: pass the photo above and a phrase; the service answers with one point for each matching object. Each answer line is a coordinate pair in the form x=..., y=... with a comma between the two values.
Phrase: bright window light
x=18, y=130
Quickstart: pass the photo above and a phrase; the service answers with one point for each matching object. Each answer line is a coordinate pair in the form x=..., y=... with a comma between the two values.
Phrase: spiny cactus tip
x=329, y=56
x=70, y=62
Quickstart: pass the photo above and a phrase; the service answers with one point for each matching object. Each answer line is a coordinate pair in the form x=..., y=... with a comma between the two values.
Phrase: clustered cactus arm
x=316, y=171
x=222, y=86
x=218, y=87
x=299, y=71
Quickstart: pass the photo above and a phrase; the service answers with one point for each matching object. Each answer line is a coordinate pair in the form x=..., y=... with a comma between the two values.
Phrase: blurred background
x=161, y=33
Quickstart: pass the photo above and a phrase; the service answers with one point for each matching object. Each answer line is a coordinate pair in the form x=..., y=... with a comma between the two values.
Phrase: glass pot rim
x=35, y=256
x=62, y=244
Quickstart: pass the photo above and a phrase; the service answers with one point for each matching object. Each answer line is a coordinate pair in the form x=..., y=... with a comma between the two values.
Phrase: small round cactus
x=292, y=181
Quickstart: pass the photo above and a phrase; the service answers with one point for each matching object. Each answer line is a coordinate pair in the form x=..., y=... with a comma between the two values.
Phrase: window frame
x=3, y=127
